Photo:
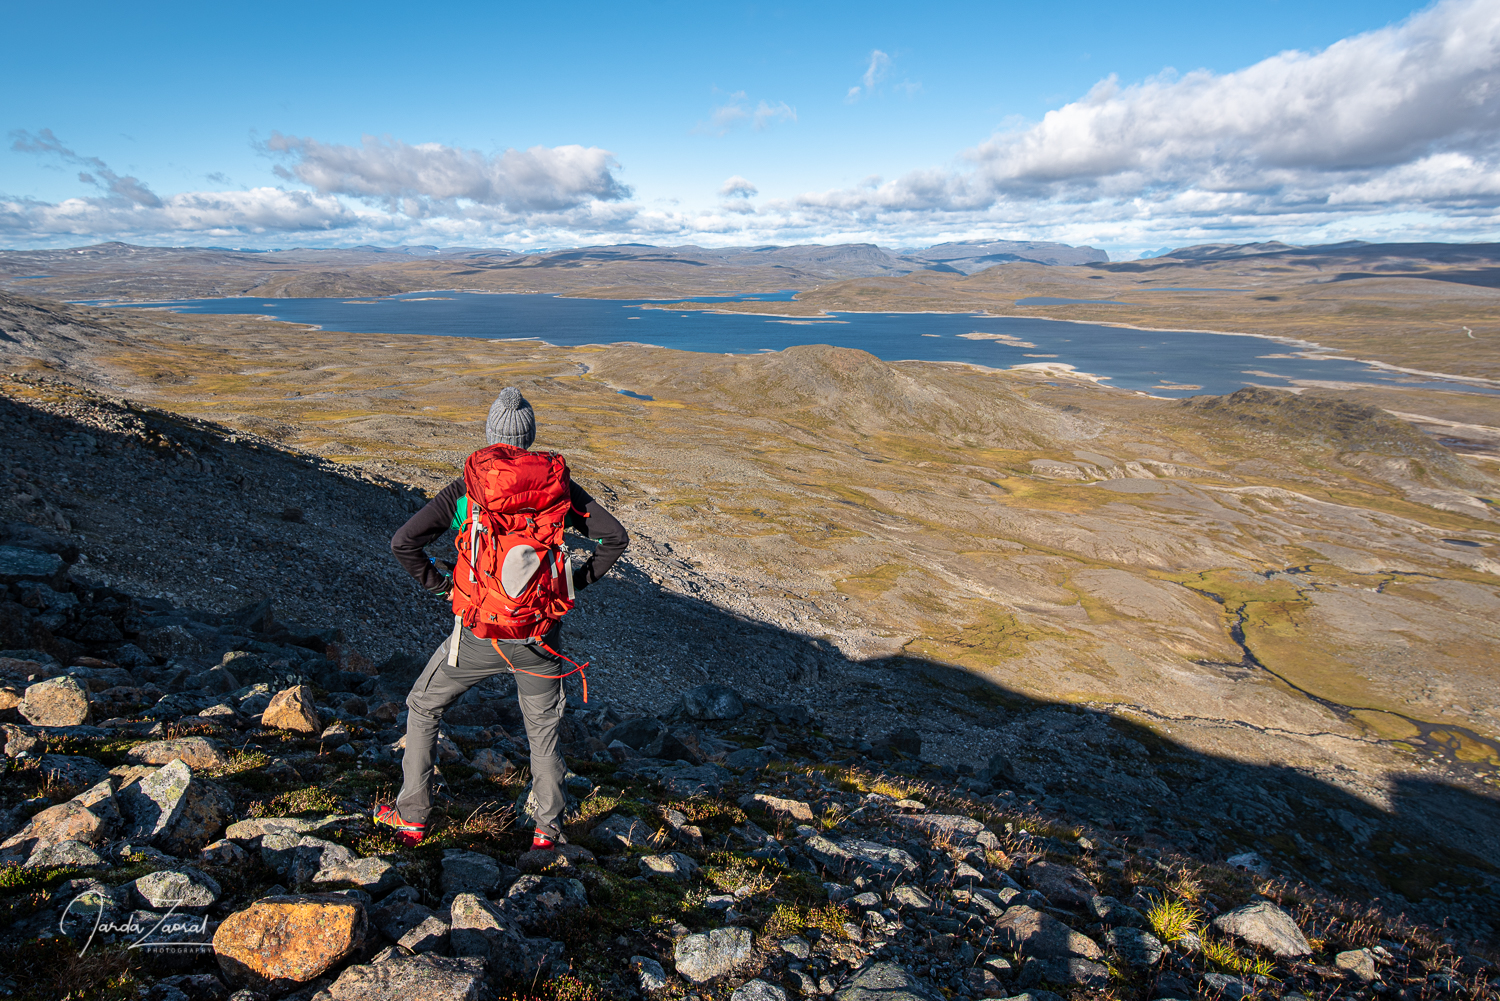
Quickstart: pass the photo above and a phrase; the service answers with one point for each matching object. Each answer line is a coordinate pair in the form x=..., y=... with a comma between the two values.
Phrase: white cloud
x=737, y=187
x=122, y=190
x=411, y=177
x=880, y=65
x=737, y=109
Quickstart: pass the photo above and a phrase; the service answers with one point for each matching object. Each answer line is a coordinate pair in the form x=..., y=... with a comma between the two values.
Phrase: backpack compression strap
x=577, y=667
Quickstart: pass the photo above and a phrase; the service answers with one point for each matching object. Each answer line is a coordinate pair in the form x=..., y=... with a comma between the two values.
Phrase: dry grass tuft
x=1171, y=919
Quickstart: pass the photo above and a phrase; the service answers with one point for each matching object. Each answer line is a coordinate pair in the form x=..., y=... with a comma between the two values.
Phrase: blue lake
x=1163, y=363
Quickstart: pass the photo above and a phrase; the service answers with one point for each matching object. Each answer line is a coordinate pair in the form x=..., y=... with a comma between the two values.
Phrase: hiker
x=509, y=589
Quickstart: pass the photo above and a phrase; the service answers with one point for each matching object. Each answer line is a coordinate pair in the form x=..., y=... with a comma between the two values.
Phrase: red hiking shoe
x=541, y=841
x=408, y=834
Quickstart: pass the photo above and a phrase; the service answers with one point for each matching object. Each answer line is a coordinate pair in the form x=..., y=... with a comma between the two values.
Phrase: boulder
x=909, y=898
x=885, y=982
x=90, y=817
x=293, y=710
x=539, y=859
x=1357, y=963
x=667, y=747
x=277, y=943
x=413, y=927
x=56, y=702
x=1226, y=988
x=18, y=742
x=649, y=974
x=789, y=809
x=1027, y=931
x=746, y=759
x=534, y=901
x=1265, y=926
x=1063, y=885
x=1063, y=971
x=707, y=955
x=74, y=854
x=223, y=852
x=851, y=857
x=198, y=753
x=758, y=990
x=402, y=978
x=175, y=811
x=673, y=865
x=469, y=872
x=1136, y=947
x=171, y=642
x=73, y=769
x=713, y=701
x=635, y=733
x=620, y=831
x=492, y=762
x=183, y=890
x=480, y=928
x=952, y=827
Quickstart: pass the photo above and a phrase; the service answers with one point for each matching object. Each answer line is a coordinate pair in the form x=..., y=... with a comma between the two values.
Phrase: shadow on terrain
x=1438, y=847
x=1438, y=840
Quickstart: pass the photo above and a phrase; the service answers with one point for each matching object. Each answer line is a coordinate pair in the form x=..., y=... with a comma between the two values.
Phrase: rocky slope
x=189, y=767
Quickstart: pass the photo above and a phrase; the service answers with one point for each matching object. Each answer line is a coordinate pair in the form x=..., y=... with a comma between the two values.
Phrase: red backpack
x=513, y=579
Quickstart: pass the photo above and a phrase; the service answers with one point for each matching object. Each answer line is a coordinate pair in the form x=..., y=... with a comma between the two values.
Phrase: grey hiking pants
x=441, y=684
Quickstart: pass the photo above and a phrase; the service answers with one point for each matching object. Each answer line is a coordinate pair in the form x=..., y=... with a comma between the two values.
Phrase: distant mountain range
x=123, y=271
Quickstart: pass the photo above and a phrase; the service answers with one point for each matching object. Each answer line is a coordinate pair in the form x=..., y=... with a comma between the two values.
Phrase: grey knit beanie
x=511, y=421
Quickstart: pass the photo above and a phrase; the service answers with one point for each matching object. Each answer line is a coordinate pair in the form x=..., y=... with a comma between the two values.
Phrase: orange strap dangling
x=577, y=667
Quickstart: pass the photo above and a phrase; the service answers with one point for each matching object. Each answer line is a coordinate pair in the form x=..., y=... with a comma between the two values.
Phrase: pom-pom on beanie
x=511, y=421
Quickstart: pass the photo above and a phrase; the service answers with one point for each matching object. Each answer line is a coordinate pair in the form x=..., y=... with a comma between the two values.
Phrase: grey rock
x=649, y=973
x=156, y=802
x=1068, y=971
x=758, y=990
x=1063, y=885
x=184, y=890
x=537, y=900
x=59, y=701
x=909, y=898
x=707, y=955
x=413, y=927
x=957, y=829
x=492, y=762
x=618, y=830
x=797, y=947
x=885, y=982
x=17, y=565
x=73, y=769
x=1136, y=947
x=1111, y=912
x=1266, y=926
x=1357, y=963
x=712, y=701
x=667, y=747
x=480, y=928
x=747, y=759
x=401, y=978
x=65, y=853
x=851, y=857
x=172, y=642
x=469, y=872
x=673, y=865
x=1221, y=985
x=1026, y=931
x=635, y=733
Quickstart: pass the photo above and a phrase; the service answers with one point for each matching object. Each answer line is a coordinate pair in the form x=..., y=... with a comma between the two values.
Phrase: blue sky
x=1125, y=127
